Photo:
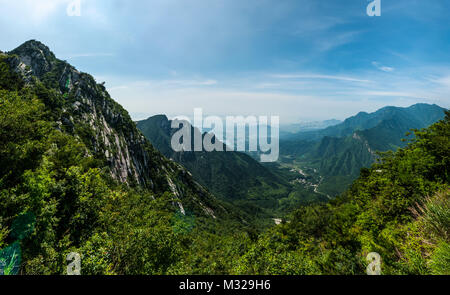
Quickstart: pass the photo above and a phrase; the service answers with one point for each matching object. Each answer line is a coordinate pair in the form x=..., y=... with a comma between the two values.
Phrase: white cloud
x=169, y=83
x=35, y=11
x=81, y=55
x=382, y=68
x=39, y=12
x=294, y=97
x=223, y=102
x=332, y=41
x=175, y=99
x=443, y=81
x=319, y=76
x=387, y=94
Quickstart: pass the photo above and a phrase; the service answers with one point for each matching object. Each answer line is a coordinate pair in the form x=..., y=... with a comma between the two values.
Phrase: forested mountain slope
x=416, y=116
x=83, y=108
x=399, y=208
x=232, y=175
x=339, y=152
x=77, y=175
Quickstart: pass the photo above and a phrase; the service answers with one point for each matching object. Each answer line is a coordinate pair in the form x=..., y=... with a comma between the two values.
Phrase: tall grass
x=435, y=215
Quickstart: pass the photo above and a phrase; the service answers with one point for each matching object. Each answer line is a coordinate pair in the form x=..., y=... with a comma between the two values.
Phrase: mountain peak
x=425, y=105
x=83, y=109
x=158, y=118
x=35, y=55
x=33, y=46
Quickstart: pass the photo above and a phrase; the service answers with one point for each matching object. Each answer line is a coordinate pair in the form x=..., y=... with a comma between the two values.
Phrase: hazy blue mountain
x=339, y=152
x=416, y=116
x=287, y=130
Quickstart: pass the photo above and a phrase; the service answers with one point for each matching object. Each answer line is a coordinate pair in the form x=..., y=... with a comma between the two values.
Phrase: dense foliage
x=399, y=208
x=56, y=197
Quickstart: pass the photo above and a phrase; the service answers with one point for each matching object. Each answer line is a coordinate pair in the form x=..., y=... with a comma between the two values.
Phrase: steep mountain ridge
x=88, y=103
x=83, y=108
x=231, y=175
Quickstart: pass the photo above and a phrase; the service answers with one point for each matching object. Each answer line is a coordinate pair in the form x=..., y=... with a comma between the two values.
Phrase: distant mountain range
x=287, y=130
x=333, y=155
x=339, y=152
x=417, y=116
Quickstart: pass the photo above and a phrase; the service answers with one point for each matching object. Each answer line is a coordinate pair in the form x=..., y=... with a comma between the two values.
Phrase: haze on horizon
x=303, y=60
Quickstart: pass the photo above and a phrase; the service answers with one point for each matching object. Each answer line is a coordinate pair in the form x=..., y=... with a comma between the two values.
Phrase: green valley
x=233, y=176
x=338, y=152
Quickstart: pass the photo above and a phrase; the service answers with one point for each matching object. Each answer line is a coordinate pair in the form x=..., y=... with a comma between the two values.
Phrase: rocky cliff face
x=88, y=112
x=123, y=148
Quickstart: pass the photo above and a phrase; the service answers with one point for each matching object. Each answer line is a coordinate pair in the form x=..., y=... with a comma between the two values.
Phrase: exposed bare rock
x=90, y=114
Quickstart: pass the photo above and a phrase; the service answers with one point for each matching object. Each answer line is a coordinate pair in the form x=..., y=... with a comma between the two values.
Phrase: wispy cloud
x=292, y=96
x=442, y=81
x=334, y=40
x=387, y=94
x=165, y=84
x=81, y=55
x=382, y=68
x=318, y=76
x=228, y=101
x=32, y=10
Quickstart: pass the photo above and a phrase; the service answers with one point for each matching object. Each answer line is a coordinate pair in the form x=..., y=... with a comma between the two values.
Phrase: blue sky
x=299, y=59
